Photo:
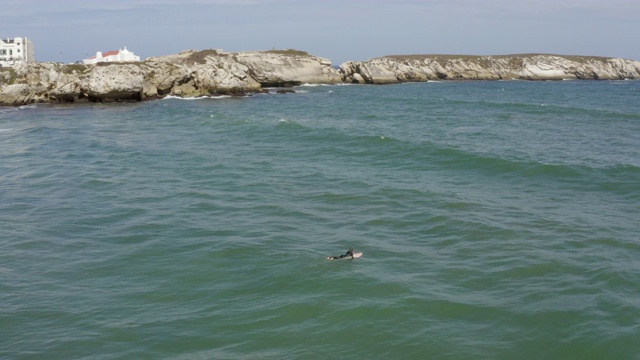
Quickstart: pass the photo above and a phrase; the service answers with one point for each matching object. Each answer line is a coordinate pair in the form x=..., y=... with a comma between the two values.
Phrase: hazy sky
x=341, y=30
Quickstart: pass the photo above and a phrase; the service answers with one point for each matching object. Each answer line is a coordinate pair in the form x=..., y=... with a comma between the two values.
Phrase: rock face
x=404, y=68
x=188, y=74
x=288, y=67
x=215, y=72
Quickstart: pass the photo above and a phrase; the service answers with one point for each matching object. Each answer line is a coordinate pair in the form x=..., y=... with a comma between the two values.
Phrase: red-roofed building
x=112, y=56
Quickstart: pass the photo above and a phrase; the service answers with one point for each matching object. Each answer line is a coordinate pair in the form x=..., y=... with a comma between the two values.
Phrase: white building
x=16, y=51
x=112, y=56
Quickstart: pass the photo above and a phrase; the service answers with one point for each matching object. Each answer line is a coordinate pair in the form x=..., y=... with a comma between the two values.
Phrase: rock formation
x=188, y=74
x=402, y=68
x=215, y=72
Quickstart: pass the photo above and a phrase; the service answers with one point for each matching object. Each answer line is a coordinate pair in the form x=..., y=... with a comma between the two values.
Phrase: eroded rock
x=403, y=68
x=187, y=74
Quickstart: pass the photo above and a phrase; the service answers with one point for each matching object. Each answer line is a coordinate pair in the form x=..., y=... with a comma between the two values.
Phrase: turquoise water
x=498, y=220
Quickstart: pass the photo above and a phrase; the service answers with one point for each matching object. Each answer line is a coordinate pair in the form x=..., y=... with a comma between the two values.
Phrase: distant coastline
x=215, y=72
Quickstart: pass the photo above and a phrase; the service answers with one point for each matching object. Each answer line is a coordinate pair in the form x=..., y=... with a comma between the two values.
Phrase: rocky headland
x=215, y=72
x=405, y=68
x=188, y=74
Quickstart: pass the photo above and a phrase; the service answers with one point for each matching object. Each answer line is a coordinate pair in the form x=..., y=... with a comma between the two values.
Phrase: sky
x=341, y=30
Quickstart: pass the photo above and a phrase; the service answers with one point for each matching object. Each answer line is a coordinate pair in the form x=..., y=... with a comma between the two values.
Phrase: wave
x=542, y=108
x=8, y=110
x=453, y=157
x=460, y=159
x=388, y=151
x=383, y=149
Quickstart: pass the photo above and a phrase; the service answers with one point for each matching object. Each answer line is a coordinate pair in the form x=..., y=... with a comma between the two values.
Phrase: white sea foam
x=196, y=98
x=7, y=110
x=315, y=85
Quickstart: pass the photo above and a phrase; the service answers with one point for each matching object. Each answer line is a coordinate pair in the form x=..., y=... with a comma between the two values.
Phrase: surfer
x=349, y=255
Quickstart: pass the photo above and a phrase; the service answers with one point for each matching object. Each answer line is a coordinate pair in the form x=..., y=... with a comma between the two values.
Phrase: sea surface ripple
x=497, y=219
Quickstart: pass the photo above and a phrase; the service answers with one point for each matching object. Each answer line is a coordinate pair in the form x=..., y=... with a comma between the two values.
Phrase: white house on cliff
x=16, y=51
x=112, y=56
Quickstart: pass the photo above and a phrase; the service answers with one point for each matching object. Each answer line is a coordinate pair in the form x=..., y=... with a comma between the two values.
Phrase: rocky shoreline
x=405, y=68
x=215, y=72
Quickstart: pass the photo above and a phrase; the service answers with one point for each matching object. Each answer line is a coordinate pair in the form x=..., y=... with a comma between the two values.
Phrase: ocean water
x=498, y=220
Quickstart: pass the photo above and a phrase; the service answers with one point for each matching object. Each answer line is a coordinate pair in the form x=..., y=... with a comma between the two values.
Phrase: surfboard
x=355, y=256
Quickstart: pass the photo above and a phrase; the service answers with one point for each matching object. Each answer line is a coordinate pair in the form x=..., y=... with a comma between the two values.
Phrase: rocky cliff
x=188, y=74
x=215, y=72
x=403, y=68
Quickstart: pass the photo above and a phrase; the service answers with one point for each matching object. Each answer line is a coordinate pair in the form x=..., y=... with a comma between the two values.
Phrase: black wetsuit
x=349, y=253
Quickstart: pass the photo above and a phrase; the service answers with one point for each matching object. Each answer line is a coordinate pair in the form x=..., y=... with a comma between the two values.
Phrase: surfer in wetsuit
x=348, y=254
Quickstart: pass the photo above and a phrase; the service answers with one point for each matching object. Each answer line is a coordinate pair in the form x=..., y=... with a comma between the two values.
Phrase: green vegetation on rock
x=200, y=57
x=71, y=68
x=290, y=52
